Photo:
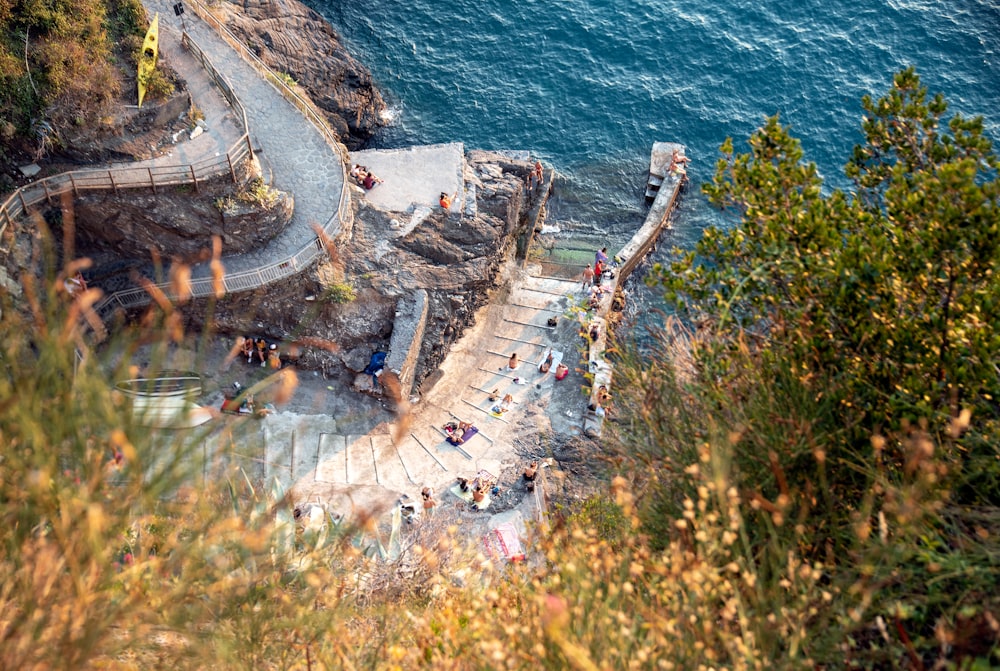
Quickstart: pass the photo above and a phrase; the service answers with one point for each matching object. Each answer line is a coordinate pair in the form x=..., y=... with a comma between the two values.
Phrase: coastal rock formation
x=180, y=222
x=456, y=258
x=291, y=38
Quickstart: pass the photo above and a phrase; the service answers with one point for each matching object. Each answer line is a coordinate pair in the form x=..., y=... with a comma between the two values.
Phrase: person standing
x=588, y=277
x=429, y=503
x=538, y=172
x=602, y=256
x=274, y=357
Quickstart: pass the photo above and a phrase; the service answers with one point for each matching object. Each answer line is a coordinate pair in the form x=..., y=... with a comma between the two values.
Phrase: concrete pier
x=663, y=186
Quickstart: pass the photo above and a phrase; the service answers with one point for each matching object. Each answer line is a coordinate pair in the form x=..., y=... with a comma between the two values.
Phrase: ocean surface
x=589, y=85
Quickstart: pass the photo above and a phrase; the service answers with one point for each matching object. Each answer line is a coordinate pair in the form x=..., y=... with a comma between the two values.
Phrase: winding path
x=301, y=160
x=297, y=155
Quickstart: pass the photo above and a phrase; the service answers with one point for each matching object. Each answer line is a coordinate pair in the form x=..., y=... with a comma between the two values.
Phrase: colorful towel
x=503, y=542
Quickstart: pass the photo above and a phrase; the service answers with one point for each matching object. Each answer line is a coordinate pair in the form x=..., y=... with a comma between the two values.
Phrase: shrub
x=339, y=292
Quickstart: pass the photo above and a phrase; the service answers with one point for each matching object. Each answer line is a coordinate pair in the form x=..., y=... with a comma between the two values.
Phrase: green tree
x=884, y=300
x=842, y=380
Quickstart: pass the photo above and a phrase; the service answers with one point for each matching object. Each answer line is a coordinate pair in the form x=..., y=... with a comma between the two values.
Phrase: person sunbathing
x=678, y=163
x=458, y=436
x=370, y=181
x=547, y=364
x=503, y=406
x=512, y=362
x=358, y=174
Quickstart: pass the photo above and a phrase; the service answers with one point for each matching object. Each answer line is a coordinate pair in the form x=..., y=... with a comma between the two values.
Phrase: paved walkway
x=293, y=153
x=223, y=128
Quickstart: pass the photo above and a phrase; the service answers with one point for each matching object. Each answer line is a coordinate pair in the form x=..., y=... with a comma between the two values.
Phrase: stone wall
x=407, y=336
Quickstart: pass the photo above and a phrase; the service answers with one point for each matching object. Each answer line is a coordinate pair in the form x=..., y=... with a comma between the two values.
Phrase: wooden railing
x=113, y=179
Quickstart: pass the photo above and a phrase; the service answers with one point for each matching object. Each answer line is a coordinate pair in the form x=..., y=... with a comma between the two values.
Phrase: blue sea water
x=589, y=85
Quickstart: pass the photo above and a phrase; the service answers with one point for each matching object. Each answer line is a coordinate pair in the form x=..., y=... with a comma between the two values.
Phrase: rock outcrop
x=457, y=259
x=180, y=222
x=293, y=39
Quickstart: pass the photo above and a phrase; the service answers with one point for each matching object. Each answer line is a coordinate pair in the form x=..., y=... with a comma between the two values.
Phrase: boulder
x=295, y=40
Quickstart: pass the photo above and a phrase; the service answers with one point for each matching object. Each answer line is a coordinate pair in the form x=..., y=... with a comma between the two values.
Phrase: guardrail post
x=152, y=183
x=24, y=205
x=194, y=179
x=72, y=183
x=232, y=171
x=48, y=196
x=111, y=176
x=249, y=146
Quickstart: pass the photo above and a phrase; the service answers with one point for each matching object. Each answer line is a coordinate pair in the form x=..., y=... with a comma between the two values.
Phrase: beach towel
x=467, y=497
x=503, y=543
x=469, y=433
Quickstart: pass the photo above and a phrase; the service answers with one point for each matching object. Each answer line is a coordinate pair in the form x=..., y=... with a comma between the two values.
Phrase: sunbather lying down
x=460, y=432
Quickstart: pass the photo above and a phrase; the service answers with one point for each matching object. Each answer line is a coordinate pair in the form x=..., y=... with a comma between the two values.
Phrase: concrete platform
x=414, y=177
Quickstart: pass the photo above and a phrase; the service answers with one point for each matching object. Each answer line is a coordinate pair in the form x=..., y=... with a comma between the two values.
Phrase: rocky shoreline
x=290, y=38
x=461, y=257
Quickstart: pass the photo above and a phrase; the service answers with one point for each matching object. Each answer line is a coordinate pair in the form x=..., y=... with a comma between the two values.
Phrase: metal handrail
x=272, y=77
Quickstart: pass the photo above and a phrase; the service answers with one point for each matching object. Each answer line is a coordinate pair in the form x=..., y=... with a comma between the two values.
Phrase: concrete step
x=361, y=468
x=331, y=463
x=390, y=469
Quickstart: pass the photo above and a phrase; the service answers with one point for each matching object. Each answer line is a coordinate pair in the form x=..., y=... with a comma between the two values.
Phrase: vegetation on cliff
x=814, y=486
x=59, y=66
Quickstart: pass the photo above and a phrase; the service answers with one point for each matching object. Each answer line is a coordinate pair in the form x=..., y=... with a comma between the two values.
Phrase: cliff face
x=291, y=38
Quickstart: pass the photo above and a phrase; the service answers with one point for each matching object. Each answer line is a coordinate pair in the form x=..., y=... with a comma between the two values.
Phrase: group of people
x=593, y=278
x=602, y=268
x=534, y=177
x=678, y=164
x=362, y=176
x=260, y=350
x=479, y=487
x=544, y=367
